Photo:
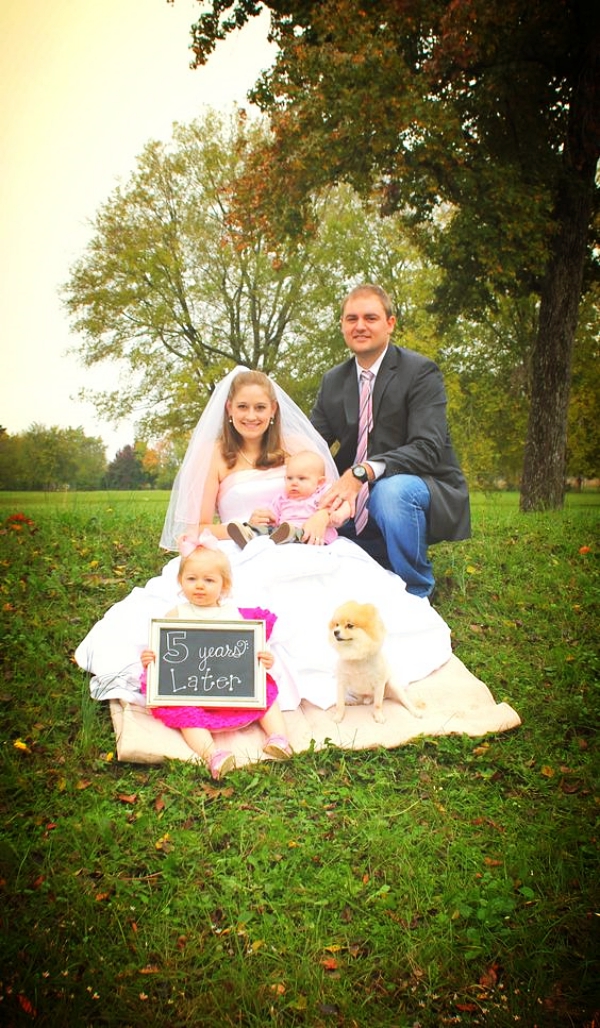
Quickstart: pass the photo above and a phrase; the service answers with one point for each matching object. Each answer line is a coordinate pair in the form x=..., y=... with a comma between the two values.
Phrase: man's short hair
x=366, y=288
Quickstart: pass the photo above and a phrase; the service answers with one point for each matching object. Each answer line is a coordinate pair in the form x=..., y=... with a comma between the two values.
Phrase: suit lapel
x=385, y=376
x=350, y=394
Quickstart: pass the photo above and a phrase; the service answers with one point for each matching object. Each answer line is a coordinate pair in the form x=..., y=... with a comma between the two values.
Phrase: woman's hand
x=314, y=528
x=262, y=516
x=147, y=657
x=266, y=659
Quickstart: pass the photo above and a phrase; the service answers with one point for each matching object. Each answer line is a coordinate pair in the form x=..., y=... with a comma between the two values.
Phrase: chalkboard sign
x=206, y=664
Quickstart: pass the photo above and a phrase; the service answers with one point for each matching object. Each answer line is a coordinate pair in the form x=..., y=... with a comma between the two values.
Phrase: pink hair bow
x=189, y=543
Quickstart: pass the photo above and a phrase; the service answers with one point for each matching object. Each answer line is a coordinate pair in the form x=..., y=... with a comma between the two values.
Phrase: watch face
x=360, y=472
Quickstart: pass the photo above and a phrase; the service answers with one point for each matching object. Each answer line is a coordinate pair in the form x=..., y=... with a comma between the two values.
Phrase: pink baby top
x=296, y=511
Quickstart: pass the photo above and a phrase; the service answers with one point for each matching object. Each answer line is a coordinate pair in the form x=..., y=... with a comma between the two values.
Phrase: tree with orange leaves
x=487, y=114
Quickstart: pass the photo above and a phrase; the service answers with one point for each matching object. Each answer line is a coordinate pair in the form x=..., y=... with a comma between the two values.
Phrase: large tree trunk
x=543, y=482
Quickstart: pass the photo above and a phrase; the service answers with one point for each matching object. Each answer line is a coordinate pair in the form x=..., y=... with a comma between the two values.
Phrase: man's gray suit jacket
x=410, y=432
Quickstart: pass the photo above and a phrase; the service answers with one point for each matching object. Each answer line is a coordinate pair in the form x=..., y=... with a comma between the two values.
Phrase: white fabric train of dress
x=302, y=585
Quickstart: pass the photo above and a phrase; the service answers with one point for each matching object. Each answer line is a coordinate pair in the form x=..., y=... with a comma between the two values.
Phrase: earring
x=272, y=421
x=231, y=421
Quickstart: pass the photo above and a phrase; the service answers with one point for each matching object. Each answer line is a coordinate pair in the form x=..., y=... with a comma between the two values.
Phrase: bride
x=233, y=469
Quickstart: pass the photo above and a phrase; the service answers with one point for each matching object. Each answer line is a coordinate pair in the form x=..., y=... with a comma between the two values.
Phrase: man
x=395, y=451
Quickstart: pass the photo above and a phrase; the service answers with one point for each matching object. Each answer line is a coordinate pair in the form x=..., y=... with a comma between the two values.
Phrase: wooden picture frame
x=206, y=664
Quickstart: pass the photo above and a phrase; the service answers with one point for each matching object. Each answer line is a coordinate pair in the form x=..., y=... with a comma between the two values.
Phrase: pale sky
x=84, y=86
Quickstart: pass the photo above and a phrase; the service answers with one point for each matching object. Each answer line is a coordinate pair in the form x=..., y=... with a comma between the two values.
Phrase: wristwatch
x=360, y=472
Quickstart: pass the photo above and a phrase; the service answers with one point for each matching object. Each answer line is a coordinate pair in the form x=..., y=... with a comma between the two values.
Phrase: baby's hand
x=147, y=657
x=262, y=516
x=266, y=659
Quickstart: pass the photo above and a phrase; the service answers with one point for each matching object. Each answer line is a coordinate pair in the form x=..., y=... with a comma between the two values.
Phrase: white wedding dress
x=302, y=585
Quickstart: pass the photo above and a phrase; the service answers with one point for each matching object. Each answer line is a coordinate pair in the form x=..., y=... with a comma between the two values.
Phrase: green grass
x=452, y=881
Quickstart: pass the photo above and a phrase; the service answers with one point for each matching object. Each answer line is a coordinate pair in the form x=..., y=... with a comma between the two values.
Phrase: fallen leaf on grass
x=150, y=969
x=487, y=821
x=547, y=772
x=27, y=1005
x=213, y=793
x=127, y=797
x=569, y=788
x=490, y=862
x=489, y=978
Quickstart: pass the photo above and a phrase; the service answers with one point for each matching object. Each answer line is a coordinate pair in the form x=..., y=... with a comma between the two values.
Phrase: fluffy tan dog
x=356, y=633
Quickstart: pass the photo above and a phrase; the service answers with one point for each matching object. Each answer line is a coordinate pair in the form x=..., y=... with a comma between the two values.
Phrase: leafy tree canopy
x=479, y=122
x=51, y=458
x=170, y=290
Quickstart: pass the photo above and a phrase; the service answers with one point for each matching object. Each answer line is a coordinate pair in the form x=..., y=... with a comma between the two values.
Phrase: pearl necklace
x=252, y=463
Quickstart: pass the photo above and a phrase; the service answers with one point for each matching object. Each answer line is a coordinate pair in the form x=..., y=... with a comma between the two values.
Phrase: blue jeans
x=396, y=533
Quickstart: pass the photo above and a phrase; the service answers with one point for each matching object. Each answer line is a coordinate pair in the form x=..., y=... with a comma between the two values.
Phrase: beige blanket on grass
x=452, y=701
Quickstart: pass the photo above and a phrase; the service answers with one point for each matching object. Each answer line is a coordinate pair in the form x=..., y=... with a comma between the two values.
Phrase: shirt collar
x=374, y=369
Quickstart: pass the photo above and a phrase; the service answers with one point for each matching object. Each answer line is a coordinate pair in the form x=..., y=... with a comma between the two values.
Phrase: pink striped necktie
x=365, y=424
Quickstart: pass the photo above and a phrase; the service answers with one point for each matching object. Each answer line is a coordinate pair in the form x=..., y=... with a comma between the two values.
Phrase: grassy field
x=454, y=881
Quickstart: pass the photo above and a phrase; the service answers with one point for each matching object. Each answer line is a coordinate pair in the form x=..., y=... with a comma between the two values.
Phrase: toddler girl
x=205, y=580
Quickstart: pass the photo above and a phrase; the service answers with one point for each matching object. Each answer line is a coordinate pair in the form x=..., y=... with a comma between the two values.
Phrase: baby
x=295, y=513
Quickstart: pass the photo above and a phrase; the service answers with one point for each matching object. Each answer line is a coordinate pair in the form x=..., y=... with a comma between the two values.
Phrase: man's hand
x=346, y=489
